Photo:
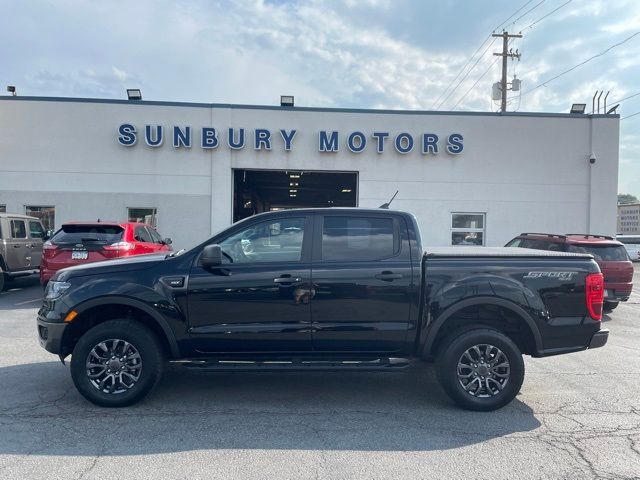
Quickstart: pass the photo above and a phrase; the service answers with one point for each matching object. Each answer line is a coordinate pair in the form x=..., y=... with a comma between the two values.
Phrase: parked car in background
x=609, y=253
x=21, y=240
x=632, y=244
x=85, y=242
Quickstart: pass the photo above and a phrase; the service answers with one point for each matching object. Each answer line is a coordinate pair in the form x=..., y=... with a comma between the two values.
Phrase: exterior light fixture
x=11, y=89
x=578, y=108
x=134, y=94
x=286, y=100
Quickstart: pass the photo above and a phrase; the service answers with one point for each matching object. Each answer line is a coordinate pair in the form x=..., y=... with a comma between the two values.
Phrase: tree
x=627, y=198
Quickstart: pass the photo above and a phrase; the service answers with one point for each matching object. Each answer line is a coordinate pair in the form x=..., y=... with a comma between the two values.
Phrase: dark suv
x=610, y=255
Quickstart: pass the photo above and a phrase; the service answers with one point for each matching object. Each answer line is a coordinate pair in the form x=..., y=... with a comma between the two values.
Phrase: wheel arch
x=435, y=332
x=94, y=312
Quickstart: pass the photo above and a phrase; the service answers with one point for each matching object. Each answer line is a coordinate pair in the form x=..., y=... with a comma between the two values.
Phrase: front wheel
x=480, y=369
x=116, y=363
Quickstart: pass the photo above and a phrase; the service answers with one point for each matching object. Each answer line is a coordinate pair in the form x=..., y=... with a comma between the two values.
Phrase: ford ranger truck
x=322, y=289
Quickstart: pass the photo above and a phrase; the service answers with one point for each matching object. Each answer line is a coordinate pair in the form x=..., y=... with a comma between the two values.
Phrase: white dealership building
x=193, y=169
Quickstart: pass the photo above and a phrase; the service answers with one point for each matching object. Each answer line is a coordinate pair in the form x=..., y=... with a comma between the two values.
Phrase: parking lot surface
x=577, y=416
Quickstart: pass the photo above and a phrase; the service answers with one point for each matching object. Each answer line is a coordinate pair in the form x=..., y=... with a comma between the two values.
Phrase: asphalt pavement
x=577, y=416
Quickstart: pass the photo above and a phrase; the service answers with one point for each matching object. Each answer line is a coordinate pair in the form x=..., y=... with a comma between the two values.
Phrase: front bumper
x=50, y=335
x=599, y=339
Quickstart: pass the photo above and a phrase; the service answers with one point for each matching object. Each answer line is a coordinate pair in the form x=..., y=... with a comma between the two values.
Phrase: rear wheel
x=480, y=369
x=116, y=363
x=608, y=306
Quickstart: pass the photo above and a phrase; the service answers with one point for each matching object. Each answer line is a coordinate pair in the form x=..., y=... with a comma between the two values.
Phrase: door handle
x=388, y=276
x=17, y=246
x=287, y=280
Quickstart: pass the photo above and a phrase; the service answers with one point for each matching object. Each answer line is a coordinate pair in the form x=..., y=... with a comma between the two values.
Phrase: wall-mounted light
x=134, y=94
x=11, y=89
x=578, y=108
x=286, y=100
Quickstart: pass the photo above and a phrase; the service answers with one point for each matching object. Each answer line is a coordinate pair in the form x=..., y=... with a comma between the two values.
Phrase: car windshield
x=607, y=253
x=75, y=233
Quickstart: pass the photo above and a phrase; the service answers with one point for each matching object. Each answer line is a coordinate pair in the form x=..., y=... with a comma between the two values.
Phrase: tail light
x=49, y=248
x=115, y=249
x=594, y=294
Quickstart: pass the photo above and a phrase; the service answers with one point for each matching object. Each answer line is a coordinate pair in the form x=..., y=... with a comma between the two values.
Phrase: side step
x=217, y=365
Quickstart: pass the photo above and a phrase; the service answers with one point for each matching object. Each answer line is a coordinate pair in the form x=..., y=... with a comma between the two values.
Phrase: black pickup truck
x=321, y=289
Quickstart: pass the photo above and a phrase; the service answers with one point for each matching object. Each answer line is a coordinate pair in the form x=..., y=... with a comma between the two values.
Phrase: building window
x=3, y=208
x=143, y=215
x=467, y=228
x=47, y=215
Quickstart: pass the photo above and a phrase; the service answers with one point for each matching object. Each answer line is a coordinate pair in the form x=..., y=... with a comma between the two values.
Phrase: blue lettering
x=406, y=146
x=209, y=137
x=288, y=138
x=430, y=143
x=361, y=144
x=153, y=140
x=263, y=137
x=180, y=138
x=380, y=138
x=127, y=135
x=328, y=144
x=232, y=140
x=454, y=144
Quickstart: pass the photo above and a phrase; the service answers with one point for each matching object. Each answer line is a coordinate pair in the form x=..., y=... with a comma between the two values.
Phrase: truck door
x=259, y=301
x=362, y=282
x=18, y=254
x=36, y=235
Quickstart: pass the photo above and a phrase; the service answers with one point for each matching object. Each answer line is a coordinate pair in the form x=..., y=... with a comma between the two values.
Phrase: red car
x=84, y=242
x=610, y=255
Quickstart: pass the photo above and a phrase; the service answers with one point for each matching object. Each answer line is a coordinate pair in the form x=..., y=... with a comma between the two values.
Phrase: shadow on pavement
x=41, y=413
x=22, y=292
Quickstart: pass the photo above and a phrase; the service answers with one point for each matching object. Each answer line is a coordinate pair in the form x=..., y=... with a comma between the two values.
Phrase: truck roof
x=464, y=251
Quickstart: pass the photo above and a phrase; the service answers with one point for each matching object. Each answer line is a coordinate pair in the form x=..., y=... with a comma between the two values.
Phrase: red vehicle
x=85, y=242
x=611, y=256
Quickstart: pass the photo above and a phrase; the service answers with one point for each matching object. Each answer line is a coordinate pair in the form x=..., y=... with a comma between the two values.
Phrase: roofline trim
x=301, y=109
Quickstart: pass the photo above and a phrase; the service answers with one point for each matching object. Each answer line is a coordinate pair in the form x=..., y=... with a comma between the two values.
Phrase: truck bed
x=488, y=252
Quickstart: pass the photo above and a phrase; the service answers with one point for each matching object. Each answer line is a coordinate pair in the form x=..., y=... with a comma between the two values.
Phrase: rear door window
x=18, y=229
x=359, y=238
x=606, y=253
x=80, y=234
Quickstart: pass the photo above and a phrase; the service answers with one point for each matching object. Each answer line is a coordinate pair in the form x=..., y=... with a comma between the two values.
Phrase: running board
x=380, y=364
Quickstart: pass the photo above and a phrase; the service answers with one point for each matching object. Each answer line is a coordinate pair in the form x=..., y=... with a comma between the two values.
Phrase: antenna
x=386, y=205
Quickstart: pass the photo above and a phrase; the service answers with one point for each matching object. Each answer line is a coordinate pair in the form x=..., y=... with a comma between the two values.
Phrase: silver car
x=21, y=239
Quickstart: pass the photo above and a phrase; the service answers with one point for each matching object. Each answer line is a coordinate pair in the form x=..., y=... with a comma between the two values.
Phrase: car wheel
x=608, y=306
x=116, y=363
x=480, y=369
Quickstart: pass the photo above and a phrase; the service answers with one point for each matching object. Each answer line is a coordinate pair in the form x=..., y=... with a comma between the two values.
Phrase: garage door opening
x=257, y=191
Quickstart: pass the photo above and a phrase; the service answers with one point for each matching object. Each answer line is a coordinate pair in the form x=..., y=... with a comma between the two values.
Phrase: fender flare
x=130, y=302
x=456, y=307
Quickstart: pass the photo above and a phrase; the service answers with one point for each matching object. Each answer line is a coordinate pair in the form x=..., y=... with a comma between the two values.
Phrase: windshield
x=607, y=253
x=75, y=233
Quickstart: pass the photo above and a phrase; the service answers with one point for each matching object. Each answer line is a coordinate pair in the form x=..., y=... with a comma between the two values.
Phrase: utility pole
x=506, y=53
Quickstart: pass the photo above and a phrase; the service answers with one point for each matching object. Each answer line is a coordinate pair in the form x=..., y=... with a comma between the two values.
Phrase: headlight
x=55, y=290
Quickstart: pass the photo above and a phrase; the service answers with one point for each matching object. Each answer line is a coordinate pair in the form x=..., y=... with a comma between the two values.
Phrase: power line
x=550, y=13
x=472, y=86
x=629, y=116
x=474, y=54
x=543, y=84
x=467, y=74
x=625, y=98
x=527, y=12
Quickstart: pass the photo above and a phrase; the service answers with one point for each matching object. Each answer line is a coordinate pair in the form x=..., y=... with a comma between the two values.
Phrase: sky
x=395, y=54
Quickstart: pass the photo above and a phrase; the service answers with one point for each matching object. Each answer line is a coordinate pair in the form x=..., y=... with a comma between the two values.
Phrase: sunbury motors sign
x=155, y=136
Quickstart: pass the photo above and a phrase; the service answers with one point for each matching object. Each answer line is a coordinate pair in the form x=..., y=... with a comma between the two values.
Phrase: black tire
x=609, y=306
x=451, y=353
x=143, y=341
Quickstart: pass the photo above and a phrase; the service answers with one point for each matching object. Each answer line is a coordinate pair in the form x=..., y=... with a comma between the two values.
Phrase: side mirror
x=211, y=256
x=167, y=241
